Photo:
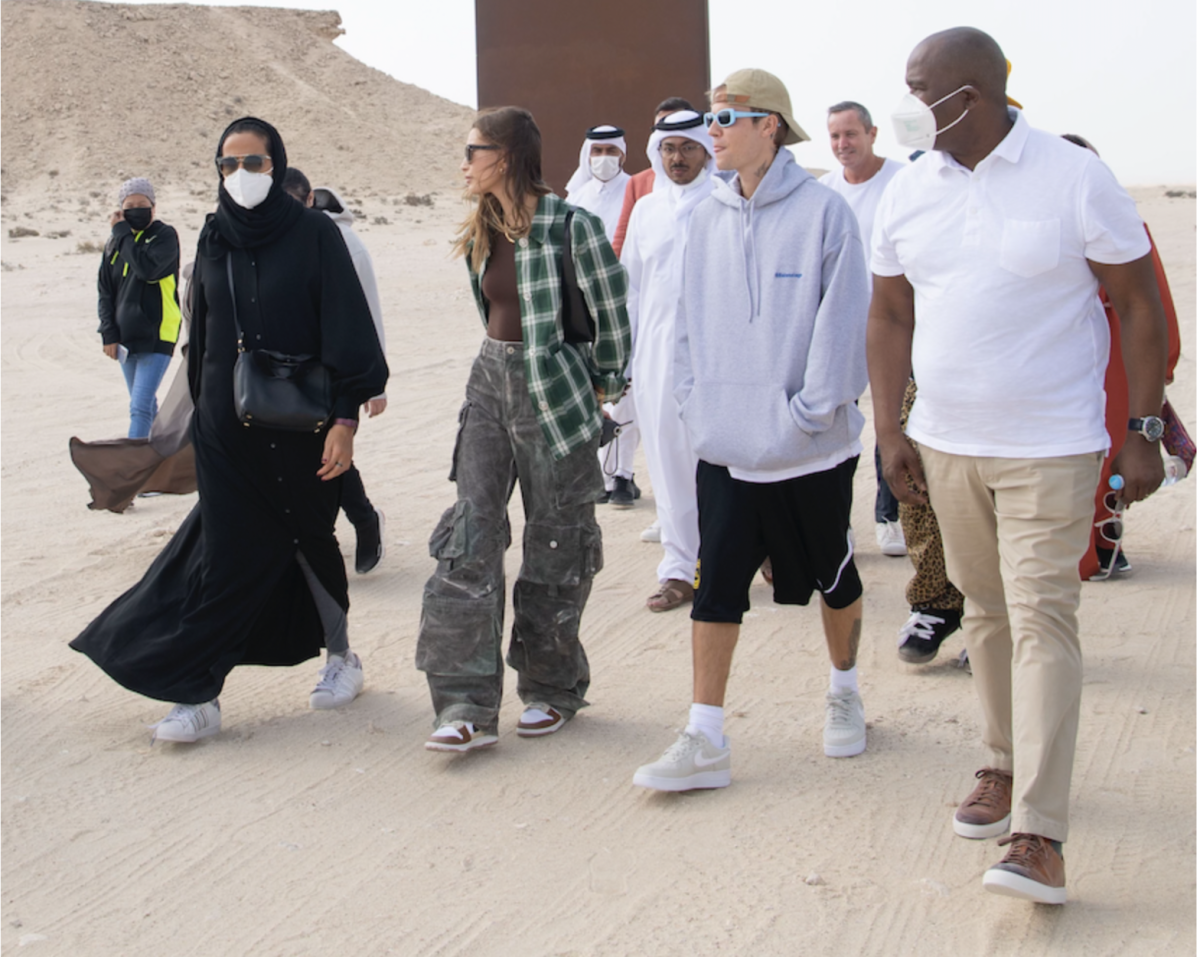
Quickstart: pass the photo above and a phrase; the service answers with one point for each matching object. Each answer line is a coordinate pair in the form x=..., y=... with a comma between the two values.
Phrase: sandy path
x=296, y=833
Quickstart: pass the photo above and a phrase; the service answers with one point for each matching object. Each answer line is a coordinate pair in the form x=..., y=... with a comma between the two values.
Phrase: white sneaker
x=653, y=533
x=845, y=725
x=459, y=736
x=691, y=763
x=189, y=722
x=890, y=537
x=341, y=681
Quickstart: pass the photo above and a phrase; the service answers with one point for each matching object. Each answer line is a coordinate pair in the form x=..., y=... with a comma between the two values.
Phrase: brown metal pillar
x=576, y=65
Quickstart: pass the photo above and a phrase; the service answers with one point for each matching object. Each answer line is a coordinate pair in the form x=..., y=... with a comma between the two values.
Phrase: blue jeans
x=143, y=372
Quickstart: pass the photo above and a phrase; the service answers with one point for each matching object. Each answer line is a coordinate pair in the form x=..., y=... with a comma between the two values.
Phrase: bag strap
x=233, y=299
x=575, y=310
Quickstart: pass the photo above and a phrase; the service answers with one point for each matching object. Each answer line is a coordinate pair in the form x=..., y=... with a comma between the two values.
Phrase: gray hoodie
x=771, y=335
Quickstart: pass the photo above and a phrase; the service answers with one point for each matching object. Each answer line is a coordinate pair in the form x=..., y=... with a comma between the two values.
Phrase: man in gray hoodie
x=770, y=358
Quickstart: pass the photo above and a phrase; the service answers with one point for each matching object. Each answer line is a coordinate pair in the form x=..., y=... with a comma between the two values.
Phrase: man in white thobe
x=680, y=151
x=598, y=186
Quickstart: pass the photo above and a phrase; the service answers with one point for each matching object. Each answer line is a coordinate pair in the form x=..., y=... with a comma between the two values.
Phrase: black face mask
x=138, y=217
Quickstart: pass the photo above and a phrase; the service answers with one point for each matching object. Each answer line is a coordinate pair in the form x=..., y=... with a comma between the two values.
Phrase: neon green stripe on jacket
x=168, y=330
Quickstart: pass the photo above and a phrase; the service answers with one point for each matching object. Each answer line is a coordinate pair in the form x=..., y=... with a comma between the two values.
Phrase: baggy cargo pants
x=500, y=443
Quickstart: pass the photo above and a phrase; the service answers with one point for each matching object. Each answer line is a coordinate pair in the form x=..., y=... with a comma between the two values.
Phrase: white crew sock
x=710, y=719
x=843, y=680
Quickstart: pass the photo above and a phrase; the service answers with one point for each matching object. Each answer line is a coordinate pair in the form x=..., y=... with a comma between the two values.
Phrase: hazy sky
x=1123, y=75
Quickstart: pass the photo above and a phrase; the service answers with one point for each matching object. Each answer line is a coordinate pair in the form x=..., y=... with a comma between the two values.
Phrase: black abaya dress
x=227, y=590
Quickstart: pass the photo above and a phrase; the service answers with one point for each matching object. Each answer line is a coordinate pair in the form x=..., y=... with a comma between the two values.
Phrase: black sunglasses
x=473, y=148
x=253, y=163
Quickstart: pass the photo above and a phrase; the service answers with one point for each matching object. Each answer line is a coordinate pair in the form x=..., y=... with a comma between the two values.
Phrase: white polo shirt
x=1010, y=342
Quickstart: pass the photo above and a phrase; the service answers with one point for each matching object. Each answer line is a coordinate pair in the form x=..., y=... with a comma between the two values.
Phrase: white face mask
x=248, y=189
x=605, y=168
x=915, y=124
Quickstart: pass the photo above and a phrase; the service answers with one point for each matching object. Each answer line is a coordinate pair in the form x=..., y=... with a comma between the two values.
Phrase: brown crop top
x=500, y=290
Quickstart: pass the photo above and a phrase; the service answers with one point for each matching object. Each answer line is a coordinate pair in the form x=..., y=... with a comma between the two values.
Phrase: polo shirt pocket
x=1029, y=248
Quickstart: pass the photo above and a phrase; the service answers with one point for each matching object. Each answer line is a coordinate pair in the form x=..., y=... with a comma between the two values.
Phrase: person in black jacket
x=139, y=299
x=254, y=575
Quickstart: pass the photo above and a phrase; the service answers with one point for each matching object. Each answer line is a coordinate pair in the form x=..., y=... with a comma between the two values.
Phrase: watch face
x=1152, y=427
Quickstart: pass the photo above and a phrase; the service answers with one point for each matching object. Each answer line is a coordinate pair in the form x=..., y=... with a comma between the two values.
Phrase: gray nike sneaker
x=691, y=763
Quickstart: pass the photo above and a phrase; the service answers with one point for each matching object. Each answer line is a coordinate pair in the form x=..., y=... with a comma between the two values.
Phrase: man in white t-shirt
x=988, y=254
x=861, y=181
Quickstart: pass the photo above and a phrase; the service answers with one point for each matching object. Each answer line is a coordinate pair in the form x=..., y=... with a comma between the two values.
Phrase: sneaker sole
x=477, y=742
x=528, y=732
x=911, y=659
x=845, y=750
x=323, y=704
x=620, y=504
x=978, y=832
x=700, y=781
x=198, y=736
x=1009, y=884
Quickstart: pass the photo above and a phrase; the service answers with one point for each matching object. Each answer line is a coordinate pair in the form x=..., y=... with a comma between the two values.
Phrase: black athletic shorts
x=802, y=524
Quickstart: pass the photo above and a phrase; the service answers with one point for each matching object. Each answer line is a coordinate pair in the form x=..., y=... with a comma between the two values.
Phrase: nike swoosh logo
x=707, y=762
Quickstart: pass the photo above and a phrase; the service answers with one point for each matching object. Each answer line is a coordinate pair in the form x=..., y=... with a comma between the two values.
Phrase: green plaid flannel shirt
x=563, y=378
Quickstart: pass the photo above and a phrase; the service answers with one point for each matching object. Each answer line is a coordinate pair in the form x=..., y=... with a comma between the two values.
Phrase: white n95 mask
x=605, y=168
x=914, y=123
x=248, y=189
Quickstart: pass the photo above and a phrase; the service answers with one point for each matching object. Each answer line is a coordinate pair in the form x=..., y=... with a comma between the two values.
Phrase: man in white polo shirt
x=860, y=181
x=988, y=254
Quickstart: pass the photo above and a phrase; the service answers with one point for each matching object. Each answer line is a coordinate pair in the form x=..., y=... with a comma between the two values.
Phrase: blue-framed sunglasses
x=728, y=117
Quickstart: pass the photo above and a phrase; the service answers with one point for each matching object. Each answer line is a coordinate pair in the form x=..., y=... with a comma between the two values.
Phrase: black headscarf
x=231, y=224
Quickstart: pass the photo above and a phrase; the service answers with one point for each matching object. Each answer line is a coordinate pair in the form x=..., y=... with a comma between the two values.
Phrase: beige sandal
x=671, y=594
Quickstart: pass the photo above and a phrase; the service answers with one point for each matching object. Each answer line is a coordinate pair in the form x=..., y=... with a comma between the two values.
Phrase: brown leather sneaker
x=1031, y=870
x=985, y=812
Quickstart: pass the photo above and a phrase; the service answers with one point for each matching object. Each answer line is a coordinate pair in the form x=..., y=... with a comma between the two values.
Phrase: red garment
x=639, y=185
x=1116, y=390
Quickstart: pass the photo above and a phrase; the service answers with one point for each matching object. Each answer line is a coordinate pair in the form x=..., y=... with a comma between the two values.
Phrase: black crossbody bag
x=274, y=390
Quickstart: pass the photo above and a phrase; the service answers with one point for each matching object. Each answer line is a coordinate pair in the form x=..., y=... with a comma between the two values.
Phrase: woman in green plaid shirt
x=532, y=415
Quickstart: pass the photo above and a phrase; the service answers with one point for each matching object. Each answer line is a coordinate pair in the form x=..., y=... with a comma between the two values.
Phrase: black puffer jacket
x=138, y=285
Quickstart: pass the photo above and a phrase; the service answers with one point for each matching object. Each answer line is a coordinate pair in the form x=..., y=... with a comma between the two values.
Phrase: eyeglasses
x=251, y=163
x=1112, y=530
x=473, y=148
x=687, y=150
x=728, y=117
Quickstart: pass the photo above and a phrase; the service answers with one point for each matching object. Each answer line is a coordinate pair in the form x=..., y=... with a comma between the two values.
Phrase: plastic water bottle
x=1174, y=470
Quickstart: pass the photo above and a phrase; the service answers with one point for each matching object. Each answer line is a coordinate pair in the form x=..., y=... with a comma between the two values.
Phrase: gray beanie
x=140, y=186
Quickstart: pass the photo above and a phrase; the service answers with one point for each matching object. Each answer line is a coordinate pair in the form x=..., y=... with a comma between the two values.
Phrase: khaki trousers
x=1014, y=530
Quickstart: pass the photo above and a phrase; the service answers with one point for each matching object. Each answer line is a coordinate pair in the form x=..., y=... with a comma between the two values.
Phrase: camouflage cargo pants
x=499, y=446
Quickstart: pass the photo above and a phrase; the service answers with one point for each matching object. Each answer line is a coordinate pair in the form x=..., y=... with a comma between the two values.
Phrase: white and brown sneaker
x=539, y=719
x=987, y=810
x=459, y=736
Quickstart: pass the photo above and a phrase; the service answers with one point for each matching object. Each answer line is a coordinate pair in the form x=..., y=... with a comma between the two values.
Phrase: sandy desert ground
x=296, y=832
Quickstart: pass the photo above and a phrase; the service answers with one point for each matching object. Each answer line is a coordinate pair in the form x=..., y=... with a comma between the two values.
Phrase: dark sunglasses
x=253, y=163
x=473, y=148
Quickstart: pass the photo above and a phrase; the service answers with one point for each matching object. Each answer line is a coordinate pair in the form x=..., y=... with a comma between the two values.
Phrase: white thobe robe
x=653, y=258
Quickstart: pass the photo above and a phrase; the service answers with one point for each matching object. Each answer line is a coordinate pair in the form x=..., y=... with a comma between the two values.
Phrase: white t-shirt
x=1010, y=342
x=863, y=197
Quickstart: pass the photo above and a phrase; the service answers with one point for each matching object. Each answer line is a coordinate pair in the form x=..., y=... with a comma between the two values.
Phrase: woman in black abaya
x=254, y=575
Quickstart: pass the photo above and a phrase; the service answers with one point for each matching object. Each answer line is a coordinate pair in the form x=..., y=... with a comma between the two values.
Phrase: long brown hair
x=514, y=130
